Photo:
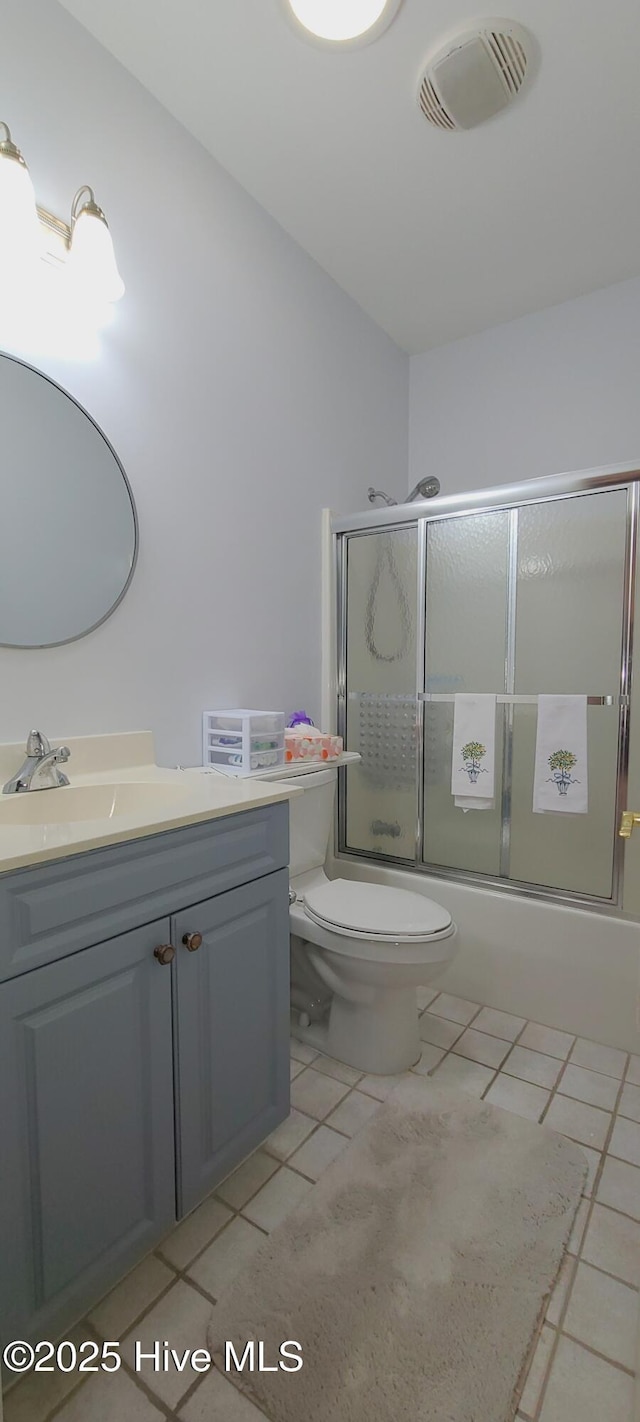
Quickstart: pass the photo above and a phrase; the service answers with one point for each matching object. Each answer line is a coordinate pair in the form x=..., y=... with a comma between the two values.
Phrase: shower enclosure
x=516, y=591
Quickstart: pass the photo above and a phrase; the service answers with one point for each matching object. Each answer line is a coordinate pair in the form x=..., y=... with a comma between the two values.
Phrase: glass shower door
x=381, y=708
x=518, y=601
x=569, y=604
x=466, y=628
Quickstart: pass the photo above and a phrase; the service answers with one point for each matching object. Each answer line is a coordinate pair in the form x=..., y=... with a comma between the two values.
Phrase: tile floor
x=582, y=1365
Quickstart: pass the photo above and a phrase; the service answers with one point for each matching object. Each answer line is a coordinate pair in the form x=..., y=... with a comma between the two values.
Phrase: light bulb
x=20, y=239
x=339, y=21
x=92, y=261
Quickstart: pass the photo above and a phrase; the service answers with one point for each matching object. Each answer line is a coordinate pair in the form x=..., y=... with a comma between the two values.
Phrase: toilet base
x=380, y=1037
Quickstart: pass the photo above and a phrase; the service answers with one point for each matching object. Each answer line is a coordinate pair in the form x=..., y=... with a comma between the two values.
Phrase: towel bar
x=502, y=698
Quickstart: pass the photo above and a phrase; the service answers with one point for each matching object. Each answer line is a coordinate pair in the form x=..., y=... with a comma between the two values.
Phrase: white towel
x=560, y=781
x=474, y=750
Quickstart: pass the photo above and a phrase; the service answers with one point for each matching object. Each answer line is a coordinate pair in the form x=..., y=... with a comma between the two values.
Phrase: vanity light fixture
x=19, y=230
x=91, y=256
x=341, y=23
x=83, y=247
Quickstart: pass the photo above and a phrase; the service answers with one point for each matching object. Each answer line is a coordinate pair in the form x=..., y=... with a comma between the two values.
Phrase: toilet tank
x=311, y=819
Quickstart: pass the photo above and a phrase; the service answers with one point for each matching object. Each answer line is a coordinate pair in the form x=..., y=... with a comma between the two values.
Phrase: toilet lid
x=375, y=910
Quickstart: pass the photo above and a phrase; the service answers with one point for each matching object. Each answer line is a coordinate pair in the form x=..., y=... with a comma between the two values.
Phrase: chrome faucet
x=40, y=769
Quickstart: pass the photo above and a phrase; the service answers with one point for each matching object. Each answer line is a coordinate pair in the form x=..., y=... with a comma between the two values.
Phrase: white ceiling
x=436, y=235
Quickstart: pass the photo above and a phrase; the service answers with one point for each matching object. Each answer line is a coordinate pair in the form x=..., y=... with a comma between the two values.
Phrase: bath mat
x=414, y=1272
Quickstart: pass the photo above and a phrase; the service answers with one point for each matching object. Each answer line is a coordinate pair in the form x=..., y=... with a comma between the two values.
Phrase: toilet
x=358, y=950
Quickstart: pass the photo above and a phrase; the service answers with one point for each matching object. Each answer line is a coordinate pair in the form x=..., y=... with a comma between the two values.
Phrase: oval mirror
x=68, y=533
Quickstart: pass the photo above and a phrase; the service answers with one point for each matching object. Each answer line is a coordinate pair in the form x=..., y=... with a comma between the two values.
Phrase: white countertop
x=124, y=762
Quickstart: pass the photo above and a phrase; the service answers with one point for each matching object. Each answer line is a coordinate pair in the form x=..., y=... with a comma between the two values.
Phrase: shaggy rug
x=414, y=1272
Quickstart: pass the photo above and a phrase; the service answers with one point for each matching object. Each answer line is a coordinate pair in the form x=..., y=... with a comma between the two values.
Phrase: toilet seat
x=374, y=911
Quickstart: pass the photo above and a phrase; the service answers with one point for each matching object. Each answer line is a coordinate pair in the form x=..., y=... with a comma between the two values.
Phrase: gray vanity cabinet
x=232, y=1029
x=86, y=1103
x=131, y=1083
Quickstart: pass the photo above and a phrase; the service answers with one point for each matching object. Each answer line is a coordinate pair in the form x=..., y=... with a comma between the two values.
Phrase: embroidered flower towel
x=474, y=749
x=560, y=778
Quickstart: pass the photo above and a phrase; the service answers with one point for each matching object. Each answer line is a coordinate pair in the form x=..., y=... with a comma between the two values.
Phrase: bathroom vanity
x=144, y=1022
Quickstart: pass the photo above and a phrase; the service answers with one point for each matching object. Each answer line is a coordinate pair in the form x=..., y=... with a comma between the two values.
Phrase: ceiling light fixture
x=83, y=247
x=343, y=23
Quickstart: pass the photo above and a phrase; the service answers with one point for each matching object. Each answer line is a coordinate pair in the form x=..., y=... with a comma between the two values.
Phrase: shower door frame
x=502, y=498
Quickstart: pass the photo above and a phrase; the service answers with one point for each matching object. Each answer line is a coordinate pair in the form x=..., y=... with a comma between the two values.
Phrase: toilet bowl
x=358, y=950
x=343, y=930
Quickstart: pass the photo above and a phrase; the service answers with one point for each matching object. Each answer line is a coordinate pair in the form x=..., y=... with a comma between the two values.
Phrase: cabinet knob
x=192, y=941
x=165, y=953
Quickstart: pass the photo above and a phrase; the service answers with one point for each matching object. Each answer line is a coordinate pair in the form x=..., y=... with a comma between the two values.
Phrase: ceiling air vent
x=476, y=74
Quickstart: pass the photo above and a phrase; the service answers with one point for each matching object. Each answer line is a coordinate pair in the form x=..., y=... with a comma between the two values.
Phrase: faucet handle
x=37, y=744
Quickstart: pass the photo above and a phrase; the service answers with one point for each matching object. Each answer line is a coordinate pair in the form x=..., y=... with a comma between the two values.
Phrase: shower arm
x=426, y=488
x=380, y=494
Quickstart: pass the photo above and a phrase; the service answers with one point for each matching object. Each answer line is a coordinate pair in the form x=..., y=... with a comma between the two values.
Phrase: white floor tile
x=561, y=1290
x=424, y=996
x=301, y=1052
x=603, y=1313
x=590, y=1086
x=533, y=1066
x=289, y=1135
x=439, y=1031
x=319, y=1151
x=382, y=1086
x=315, y=1094
x=198, y=1229
x=499, y=1024
x=587, y=1124
x=457, y=1009
x=583, y=1388
x=521, y=1097
x=276, y=1199
x=295, y=1068
x=217, y=1400
x=547, y=1039
x=630, y=1102
x=181, y=1317
x=232, y=1251
x=339, y=1070
x=468, y=1075
x=633, y=1074
x=537, y=1372
x=131, y=1297
x=429, y=1058
x=479, y=1047
x=620, y=1187
x=612, y=1242
x=353, y=1113
x=110, y=1397
x=599, y=1058
x=247, y=1179
x=625, y=1141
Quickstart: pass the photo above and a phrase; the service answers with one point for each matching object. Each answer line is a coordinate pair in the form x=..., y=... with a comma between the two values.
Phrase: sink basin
x=89, y=802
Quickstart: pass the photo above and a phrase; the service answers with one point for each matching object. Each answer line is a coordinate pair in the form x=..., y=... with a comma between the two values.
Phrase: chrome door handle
x=628, y=819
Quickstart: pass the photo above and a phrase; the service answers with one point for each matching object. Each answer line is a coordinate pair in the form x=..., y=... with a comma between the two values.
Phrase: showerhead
x=426, y=488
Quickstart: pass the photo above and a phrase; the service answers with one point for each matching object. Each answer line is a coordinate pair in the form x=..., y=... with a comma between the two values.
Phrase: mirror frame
x=77, y=637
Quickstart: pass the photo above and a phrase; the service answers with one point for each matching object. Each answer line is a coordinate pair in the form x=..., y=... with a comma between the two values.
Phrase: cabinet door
x=232, y=1030
x=86, y=1112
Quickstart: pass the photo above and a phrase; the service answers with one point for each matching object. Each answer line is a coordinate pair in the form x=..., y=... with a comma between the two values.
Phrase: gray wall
x=242, y=389
x=551, y=392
